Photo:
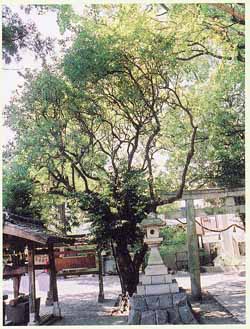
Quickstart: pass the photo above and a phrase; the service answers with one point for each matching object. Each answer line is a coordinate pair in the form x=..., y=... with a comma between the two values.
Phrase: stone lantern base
x=170, y=308
x=158, y=300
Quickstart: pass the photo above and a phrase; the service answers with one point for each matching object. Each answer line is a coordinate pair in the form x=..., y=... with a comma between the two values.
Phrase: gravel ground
x=223, y=299
x=78, y=299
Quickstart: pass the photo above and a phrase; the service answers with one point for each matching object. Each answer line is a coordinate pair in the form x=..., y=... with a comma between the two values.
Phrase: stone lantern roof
x=152, y=220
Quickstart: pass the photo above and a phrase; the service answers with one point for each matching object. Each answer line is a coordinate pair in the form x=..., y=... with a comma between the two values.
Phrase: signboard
x=41, y=259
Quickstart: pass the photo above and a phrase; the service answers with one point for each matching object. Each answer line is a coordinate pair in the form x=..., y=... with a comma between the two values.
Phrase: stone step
x=155, y=289
x=156, y=279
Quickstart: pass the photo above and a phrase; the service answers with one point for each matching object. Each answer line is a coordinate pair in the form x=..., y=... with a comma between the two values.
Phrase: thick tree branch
x=236, y=15
x=179, y=193
x=203, y=53
x=60, y=179
x=189, y=155
x=134, y=148
x=148, y=159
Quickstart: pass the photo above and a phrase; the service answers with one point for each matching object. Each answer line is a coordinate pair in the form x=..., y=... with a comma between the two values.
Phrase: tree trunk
x=62, y=216
x=100, y=277
x=129, y=269
x=118, y=270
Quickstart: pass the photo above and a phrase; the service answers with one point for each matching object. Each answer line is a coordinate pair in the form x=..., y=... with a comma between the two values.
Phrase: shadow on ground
x=212, y=312
x=84, y=310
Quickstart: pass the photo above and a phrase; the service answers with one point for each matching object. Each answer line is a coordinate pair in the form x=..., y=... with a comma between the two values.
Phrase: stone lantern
x=151, y=225
x=158, y=300
x=156, y=278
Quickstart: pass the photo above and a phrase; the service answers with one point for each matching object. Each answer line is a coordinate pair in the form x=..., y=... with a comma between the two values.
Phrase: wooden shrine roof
x=32, y=230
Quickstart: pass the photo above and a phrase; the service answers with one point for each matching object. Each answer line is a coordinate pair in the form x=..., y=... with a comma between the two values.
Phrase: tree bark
x=236, y=15
x=100, y=276
x=129, y=269
x=118, y=270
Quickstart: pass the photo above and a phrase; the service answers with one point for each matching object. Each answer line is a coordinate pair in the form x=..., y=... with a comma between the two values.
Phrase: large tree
x=123, y=103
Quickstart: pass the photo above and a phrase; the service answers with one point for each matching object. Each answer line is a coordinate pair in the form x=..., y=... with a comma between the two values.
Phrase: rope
x=223, y=230
x=212, y=230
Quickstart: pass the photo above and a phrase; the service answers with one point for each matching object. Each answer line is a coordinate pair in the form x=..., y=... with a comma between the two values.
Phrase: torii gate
x=191, y=212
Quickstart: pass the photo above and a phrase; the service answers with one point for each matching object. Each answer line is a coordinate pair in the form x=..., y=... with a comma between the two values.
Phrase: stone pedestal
x=172, y=308
x=158, y=300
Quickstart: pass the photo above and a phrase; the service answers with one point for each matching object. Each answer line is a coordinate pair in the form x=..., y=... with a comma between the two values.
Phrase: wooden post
x=34, y=317
x=49, y=299
x=16, y=285
x=4, y=308
x=56, y=307
x=100, y=274
x=193, y=251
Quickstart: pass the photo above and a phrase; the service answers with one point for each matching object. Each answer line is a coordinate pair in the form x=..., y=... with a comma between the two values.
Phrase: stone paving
x=78, y=298
x=229, y=289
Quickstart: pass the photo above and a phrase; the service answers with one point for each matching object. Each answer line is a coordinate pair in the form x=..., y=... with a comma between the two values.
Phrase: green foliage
x=176, y=235
x=65, y=16
x=116, y=82
x=18, y=189
x=17, y=35
x=220, y=154
x=114, y=102
x=114, y=215
x=174, y=238
x=13, y=33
